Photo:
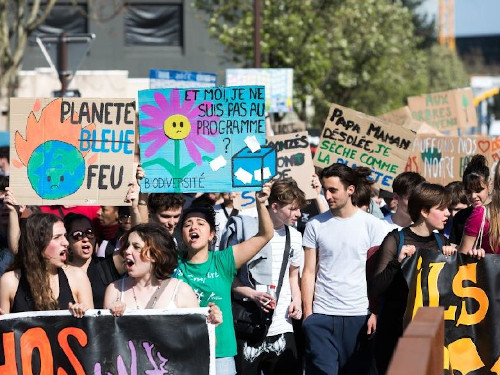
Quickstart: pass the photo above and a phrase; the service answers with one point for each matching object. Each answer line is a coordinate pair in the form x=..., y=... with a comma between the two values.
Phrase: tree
x=375, y=61
x=369, y=55
x=357, y=53
x=425, y=28
x=18, y=19
x=445, y=70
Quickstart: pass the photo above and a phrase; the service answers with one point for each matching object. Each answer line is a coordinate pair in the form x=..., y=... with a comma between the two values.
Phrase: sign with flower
x=204, y=139
x=72, y=151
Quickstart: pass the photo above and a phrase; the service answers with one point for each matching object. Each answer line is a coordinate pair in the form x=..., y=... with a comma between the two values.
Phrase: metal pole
x=256, y=35
x=62, y=62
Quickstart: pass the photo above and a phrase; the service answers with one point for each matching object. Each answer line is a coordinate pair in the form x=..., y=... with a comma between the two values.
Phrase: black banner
x=147, y=342
x=469, y=291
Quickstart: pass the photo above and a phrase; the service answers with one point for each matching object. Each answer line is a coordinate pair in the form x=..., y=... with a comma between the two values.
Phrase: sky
x=472, y=17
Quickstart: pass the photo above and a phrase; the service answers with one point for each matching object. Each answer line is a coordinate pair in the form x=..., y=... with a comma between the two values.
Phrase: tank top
x=23, y=300
x=171, y=304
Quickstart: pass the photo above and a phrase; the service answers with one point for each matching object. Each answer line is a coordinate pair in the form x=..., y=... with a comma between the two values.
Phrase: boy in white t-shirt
x=277, y=353
x=336, y=317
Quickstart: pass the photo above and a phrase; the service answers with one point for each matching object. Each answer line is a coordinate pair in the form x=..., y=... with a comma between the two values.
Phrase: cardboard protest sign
x=400, y=116
x=161, y=79
x=443, y=159
x=495, y=149
x=294, y=160
x=139, y=342
x=356, y=139
x=467, y=289
x=244, y=200
x=77, y=151
x=403, y=117
x=204, y=140
x=278, y=84
x=447, y=111
x=290, y=123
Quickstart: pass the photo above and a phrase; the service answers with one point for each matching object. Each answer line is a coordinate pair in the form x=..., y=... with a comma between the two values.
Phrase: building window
x=153, y=25
x=65, y=17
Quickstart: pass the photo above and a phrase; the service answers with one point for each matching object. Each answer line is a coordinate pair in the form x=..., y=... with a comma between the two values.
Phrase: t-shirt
x=281, y=322
x=342, y=245
x=473, y=226
x=211, y=281
x=89, y=211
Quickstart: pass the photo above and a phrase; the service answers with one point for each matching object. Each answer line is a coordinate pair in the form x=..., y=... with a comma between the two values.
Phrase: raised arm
x=246, y=250
x=14, y=231
x=320, y=199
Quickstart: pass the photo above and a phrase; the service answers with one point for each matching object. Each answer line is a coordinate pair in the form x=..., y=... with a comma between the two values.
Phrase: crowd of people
x=321, y=307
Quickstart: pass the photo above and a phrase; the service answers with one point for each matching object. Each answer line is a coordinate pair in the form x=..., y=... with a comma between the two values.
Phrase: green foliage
x=445, y=70
x=360, y=54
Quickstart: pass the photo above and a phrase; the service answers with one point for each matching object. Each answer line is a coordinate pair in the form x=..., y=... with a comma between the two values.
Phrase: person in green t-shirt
x=211, y=274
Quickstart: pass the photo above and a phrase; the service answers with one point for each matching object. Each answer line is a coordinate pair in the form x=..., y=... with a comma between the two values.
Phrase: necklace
x=153, y=298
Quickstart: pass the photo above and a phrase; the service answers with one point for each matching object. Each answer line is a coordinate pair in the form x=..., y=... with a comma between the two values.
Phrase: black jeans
x=275, y=355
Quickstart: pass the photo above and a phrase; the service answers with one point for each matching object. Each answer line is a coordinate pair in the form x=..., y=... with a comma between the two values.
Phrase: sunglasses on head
x=78, y=235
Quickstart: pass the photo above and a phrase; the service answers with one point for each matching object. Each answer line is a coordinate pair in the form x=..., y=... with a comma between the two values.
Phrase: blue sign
x=161, y=79
x=204, y=139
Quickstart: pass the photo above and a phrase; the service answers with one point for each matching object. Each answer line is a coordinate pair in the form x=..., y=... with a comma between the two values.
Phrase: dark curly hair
x=159, y=245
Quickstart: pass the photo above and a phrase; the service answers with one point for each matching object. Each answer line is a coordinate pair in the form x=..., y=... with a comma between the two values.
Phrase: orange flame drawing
x=48, y=128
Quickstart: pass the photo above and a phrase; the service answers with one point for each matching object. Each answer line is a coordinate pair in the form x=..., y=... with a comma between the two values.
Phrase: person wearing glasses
x=81, y=253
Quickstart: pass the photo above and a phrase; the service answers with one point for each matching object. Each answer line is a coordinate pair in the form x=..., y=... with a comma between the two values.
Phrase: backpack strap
x=284, y=263
x=401, y=240
x=438, y=240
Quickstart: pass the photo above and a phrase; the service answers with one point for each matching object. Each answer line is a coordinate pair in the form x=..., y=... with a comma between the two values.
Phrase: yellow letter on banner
x=432, y=283
x=464, y=356
x=468, y=273
x=419, y=302
x=496, y=367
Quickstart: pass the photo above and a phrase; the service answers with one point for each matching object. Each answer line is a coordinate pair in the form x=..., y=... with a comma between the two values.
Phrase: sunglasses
x=78, y=235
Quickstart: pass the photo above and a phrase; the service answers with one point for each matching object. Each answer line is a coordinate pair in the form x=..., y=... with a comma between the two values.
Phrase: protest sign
x=77, y=151
x=443, y=159
x=290, y=123
x=278, y=84
x=402, y=116
x=294, y=160
x=162, y=79
x=204, y=140
x=139, y=342
x=288, y=127
x=356, y=139
x=447, y=111
x=495, y=149
x=467, y=289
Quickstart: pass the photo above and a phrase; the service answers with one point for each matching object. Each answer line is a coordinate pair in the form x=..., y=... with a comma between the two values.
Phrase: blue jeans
x=225, y=366
x=337, y=345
